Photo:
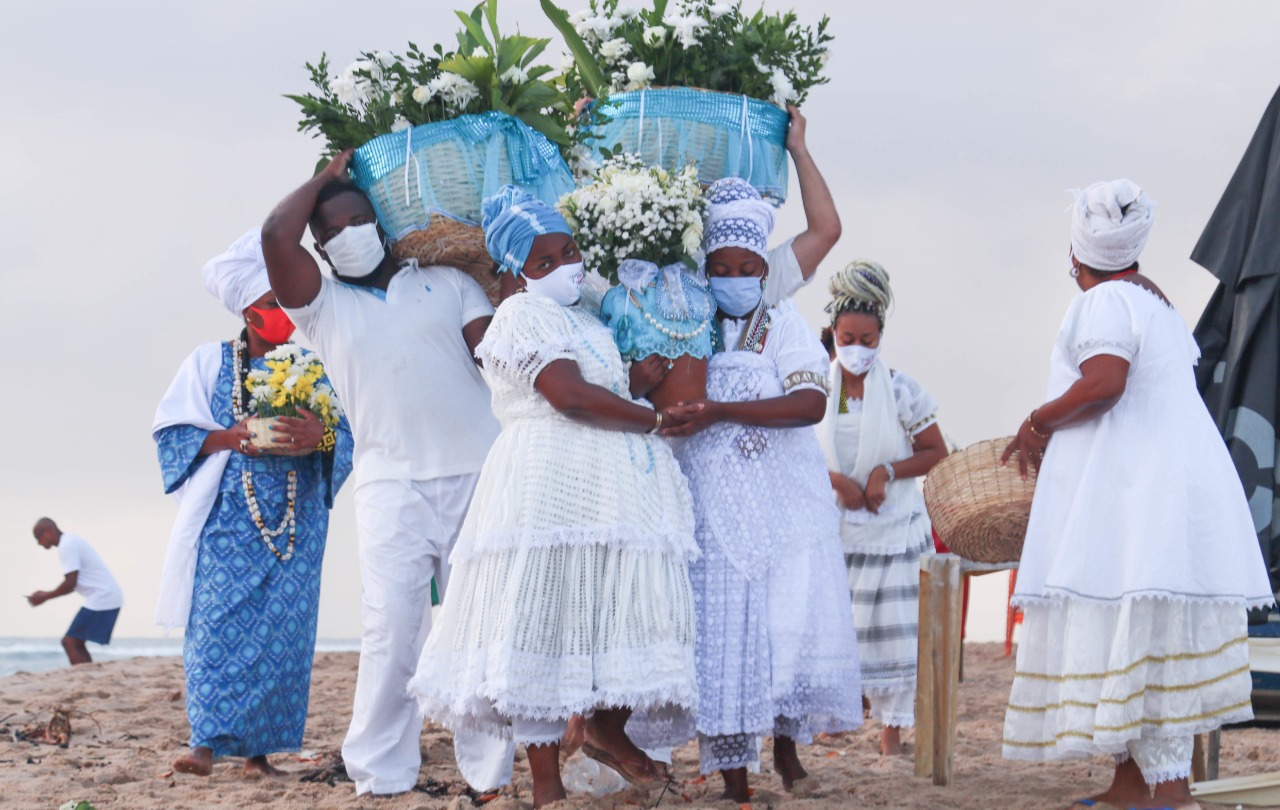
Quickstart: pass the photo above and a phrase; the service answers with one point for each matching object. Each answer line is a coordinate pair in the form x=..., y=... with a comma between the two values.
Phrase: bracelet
x=657, y=424
x=888, y=467
x=1031, y=423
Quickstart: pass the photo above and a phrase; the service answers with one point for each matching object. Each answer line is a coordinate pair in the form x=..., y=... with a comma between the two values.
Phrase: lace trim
x=1171, y=774
x=807, y=378
x=486, y=714
x=1129, y=347
x=513, y=353
x=1057, y=597
x=669, y=541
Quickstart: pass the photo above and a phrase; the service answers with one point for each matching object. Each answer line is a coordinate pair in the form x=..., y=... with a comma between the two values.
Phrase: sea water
x=43, y=654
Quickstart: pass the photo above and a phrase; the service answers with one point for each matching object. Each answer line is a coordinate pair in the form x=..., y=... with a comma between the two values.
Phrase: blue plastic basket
x=725, y=135
x=448, y=168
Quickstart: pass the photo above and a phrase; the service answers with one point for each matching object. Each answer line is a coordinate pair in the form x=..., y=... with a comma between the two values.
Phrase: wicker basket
x=453, y=243
x=979, y=508
x=726, y=135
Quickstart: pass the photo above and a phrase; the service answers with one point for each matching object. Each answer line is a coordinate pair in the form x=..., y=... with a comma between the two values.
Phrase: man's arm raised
x=295, y=276
x=822, y=222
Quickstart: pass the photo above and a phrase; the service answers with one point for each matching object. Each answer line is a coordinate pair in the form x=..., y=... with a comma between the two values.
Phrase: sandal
x=628, y=770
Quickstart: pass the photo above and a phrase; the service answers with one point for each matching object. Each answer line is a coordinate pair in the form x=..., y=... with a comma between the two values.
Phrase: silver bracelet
x=888, y=467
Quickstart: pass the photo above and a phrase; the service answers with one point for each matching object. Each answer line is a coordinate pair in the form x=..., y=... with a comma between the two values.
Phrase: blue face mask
x=737, y=296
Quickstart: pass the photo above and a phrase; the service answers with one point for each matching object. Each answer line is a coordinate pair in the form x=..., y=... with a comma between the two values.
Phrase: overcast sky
x=144, y=137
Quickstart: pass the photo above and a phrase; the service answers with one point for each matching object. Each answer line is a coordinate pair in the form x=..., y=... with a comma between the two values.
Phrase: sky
x=144, y=137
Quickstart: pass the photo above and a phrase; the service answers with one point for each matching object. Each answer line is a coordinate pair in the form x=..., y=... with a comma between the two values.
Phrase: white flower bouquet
x=628, y=210
x=618, y=46
x=292, y=379
x=383, y=92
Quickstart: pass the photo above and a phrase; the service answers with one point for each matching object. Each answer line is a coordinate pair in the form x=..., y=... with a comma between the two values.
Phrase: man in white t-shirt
x=397, y=341
x=86, y=574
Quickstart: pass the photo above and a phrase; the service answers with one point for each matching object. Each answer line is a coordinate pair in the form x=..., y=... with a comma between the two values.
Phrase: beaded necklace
x=239, y=410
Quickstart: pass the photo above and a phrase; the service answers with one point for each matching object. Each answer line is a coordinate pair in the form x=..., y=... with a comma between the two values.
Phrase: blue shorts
x=94, y=625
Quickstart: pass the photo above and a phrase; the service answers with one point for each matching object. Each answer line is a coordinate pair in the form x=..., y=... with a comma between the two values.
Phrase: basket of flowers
x=292, y=379
x=663, y=94
x=640, y=227
x=435, y=132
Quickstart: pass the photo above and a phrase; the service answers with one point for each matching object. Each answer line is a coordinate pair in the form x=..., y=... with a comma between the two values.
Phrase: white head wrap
x=1109, y=224
x=737, y=217
x=238, y=276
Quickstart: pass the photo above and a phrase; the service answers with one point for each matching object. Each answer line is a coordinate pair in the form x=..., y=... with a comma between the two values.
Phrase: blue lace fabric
x=251, y=634
x=647, y=322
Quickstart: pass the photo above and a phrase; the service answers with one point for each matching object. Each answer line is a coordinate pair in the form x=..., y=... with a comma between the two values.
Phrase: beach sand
x=130, y=723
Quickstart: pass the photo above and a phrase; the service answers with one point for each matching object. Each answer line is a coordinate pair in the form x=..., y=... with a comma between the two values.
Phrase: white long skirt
x=543, y=633
x=1092, y=677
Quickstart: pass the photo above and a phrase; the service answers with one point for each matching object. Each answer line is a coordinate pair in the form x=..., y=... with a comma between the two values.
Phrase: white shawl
x=882, y=438
x=188, y=402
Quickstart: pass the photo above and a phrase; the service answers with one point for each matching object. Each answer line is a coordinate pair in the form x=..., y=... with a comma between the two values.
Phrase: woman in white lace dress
x=777, y=654
x=1140, y=558
x=570, y=591
x=879, y=435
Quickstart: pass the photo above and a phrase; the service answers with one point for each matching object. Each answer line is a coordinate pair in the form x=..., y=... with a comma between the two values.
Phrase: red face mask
x=276, y=327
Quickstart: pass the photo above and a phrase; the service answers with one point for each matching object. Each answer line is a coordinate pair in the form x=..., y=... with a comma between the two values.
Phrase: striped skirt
x=885, y=590
x=1092, y=677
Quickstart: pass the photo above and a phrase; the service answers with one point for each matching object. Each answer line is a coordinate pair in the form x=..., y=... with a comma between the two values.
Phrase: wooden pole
x=924, y=677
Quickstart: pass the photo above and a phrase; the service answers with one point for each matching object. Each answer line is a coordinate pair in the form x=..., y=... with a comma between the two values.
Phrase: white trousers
x=406, y=531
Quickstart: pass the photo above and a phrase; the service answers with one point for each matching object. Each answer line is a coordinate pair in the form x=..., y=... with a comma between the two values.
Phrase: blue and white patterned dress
x=250, y=638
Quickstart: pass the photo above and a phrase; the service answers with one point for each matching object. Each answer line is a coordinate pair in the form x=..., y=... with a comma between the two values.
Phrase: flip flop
x=625, y=769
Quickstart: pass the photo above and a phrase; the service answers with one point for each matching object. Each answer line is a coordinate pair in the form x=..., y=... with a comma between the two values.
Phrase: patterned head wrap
x=1110, y=223
x=512, y=219
x=862, y=286
x=238, y=276
x=737, y=217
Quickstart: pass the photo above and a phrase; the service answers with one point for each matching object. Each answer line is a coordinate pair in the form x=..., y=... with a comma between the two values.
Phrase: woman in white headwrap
x=1140, y=558
x=776, y=650
x=242, y=573
x=880, y=434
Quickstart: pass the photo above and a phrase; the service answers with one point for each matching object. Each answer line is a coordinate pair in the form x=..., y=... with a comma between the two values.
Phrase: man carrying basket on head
x=398, y=341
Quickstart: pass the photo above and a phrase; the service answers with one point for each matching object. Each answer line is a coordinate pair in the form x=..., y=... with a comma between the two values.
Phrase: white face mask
x=857, y=360
x=562, y=285
x=737, y=295
x=356, y=251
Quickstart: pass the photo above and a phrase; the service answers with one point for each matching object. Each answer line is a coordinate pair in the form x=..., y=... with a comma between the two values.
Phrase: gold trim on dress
x=1080, y=704
x=807, y=378
x=1150, y=659
x=1126, y=727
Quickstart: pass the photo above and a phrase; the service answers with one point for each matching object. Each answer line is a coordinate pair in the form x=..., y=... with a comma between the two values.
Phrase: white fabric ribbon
x=881, y=438
x=188, y=402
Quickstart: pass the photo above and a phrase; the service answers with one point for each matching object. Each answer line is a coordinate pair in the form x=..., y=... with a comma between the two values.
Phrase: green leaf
x=491, y=11
x=592, y=76
x=511, y=50
x=476, y=69
x=475, y=29
x=539, y=46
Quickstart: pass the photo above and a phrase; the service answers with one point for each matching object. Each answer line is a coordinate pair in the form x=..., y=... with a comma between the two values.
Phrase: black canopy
x=1239, y=331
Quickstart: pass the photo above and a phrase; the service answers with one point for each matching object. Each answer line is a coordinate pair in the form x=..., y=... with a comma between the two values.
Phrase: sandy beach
x=128, y=723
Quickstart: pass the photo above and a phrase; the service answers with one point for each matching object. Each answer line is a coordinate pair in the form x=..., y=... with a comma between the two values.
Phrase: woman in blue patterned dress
x=244, y=578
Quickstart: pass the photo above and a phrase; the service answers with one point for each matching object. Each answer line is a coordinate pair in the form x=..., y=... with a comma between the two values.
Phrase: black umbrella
x=1239, y=331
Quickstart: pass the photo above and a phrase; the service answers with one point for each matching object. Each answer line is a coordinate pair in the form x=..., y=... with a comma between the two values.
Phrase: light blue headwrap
x=512, y=219
x=737, y=217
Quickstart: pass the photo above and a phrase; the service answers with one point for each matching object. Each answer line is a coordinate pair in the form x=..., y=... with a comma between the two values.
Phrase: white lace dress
x=570, y=588
x=1140, y=556
x=777, y=653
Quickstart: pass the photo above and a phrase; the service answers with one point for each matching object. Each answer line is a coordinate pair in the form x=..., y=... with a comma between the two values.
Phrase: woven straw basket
x=979, y=508
x=261, y=434
x=456, y=244
x=725, y=135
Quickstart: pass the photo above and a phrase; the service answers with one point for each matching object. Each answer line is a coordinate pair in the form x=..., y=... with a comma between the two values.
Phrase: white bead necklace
x=289, y=521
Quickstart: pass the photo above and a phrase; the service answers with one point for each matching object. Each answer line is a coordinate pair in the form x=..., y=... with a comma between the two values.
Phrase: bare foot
x=891, y=742
x=786, y=761
x=735, y=786
x=575, y=734
x=197, y=763
x=544, y=767
x=258, y=766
